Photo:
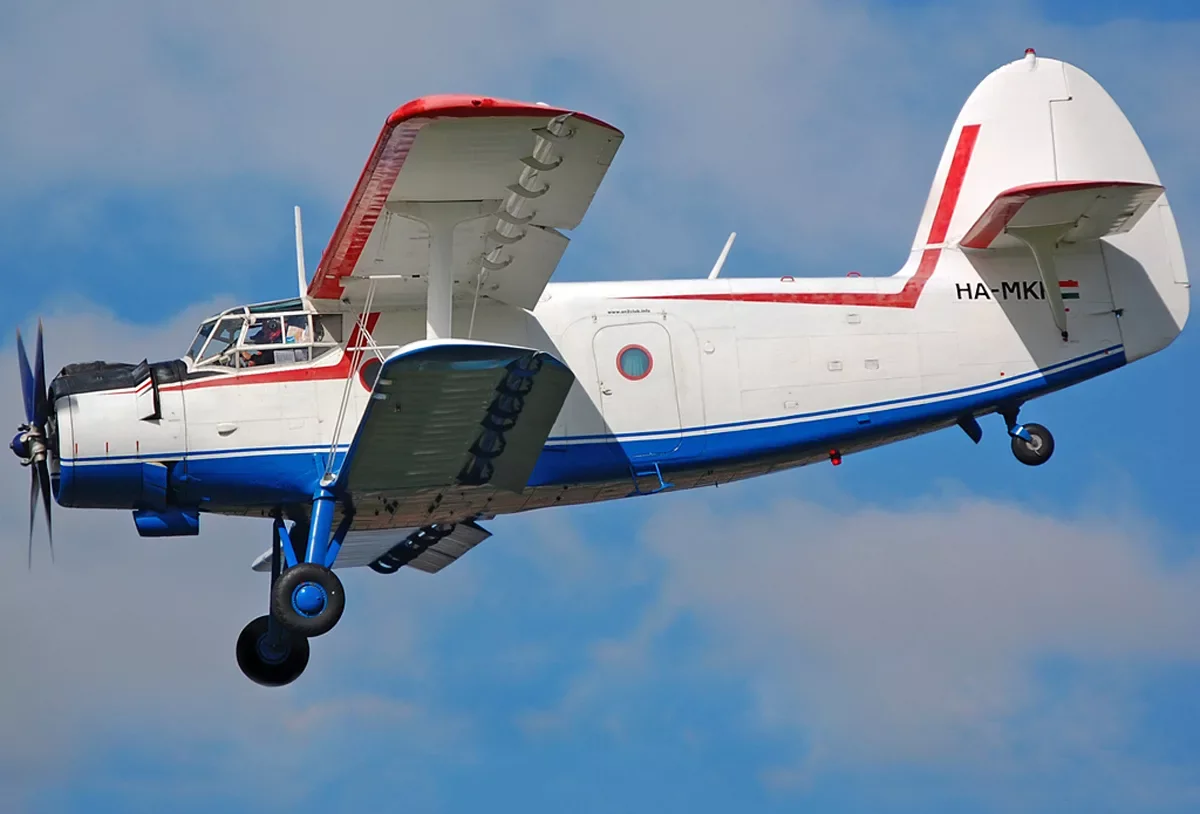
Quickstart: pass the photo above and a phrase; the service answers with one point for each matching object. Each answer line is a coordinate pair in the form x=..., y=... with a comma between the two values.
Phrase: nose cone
x=20, y=446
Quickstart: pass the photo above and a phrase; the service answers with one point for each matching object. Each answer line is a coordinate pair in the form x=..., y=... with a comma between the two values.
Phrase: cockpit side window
x=327, y=328
x=262, y=331
x=296, y=329
x=254, y=339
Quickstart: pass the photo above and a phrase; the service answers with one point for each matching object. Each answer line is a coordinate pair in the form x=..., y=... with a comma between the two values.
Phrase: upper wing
x=516, y=172
x=455, y=412
x=1096, y=208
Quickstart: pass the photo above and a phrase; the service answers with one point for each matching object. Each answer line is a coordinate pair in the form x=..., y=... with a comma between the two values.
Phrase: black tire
x=284, y=609
x=1038, y=449
x=270, y=672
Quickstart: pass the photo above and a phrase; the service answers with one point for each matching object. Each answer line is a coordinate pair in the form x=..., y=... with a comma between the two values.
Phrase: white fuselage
x=732, y=377
x=747, y=375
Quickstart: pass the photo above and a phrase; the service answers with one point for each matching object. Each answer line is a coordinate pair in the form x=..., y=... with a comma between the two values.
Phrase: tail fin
x=1053, y=160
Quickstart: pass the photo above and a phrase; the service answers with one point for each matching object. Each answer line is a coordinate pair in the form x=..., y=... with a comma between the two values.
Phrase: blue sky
x=929, y=627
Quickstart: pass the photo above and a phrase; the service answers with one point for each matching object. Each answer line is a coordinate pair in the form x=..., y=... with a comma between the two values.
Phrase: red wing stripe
x=907, y=296
x=370, y=195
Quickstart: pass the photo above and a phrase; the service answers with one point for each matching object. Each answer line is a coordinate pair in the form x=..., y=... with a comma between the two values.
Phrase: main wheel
x=308, y=599
x=271, y=664
x=1038, y=449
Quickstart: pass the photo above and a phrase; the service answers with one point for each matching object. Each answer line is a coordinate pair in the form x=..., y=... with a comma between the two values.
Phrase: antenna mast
x=301, y=274
x=716, y=269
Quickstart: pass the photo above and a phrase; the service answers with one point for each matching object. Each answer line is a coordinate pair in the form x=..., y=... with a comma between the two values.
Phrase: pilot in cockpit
x=269, y=332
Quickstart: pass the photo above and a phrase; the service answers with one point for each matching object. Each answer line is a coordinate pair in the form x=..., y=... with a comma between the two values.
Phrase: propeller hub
x=21, y=447
x=29, y=445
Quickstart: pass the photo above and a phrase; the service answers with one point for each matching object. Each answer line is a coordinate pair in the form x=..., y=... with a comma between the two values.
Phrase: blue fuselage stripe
x=271, y=475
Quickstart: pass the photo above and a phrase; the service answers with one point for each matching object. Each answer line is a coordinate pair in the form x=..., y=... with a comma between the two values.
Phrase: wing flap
x=1095, y=208
x=455, y=412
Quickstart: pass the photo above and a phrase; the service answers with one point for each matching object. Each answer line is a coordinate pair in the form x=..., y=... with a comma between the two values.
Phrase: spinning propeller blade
x=27, y=382
x=41, y=399
x=30, y=443
x=43, y=476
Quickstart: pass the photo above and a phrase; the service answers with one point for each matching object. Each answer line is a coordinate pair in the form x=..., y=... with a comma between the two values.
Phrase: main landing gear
x=1032, y=444
x=307, y=598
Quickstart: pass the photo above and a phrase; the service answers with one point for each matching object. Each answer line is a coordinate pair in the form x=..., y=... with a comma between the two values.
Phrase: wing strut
x=440, y=218
x=354, y=355
x=1042, y=241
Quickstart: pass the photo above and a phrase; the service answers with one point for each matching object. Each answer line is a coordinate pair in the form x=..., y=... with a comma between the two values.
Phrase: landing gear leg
x=1032, y=444
x=267, y=653
x=308, y=599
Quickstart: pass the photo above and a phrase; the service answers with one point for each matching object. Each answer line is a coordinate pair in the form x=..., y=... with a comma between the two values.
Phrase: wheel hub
x=272, y=652
x=309, y=599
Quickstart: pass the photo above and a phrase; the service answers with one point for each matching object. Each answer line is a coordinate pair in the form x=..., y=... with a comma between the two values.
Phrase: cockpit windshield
x=225, y=336
x=201, y=338
x=253, y=336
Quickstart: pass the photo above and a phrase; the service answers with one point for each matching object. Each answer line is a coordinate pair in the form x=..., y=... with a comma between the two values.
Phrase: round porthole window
x=634, y=362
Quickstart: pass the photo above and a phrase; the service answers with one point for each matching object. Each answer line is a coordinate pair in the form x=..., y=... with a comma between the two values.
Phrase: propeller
x=30, y=442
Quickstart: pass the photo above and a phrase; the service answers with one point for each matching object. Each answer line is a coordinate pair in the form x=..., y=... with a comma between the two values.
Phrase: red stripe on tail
x=907, y=296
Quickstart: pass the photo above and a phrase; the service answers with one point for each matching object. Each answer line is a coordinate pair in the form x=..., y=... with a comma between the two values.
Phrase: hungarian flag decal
x=1069, y=289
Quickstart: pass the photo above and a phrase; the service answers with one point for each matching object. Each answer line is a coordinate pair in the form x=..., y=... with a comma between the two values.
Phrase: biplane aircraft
x=429, y=377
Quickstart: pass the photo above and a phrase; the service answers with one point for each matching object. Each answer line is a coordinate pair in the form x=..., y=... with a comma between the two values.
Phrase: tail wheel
x=1038, y=449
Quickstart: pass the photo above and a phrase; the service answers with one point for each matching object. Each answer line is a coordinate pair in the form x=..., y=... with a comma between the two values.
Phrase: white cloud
x=886, y=637
x=923, y=636
x=811, y=127
x=912, y=636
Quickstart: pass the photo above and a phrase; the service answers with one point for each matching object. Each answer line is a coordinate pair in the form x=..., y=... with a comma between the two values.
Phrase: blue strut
x=322, y=548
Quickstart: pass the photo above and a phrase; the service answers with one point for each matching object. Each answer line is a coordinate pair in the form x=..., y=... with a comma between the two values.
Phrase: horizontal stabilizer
x=455, y=412
x=1088, y=210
